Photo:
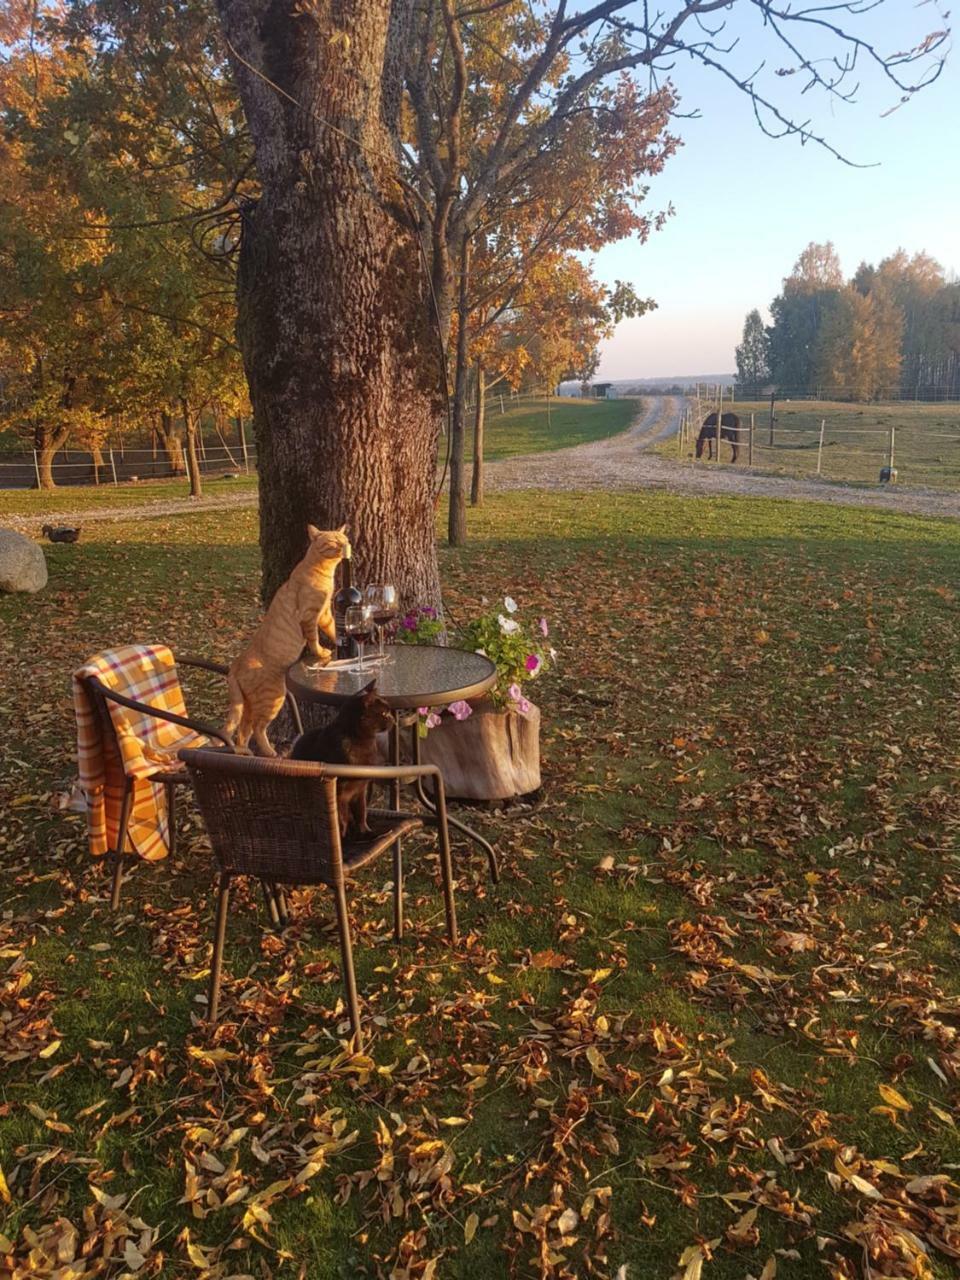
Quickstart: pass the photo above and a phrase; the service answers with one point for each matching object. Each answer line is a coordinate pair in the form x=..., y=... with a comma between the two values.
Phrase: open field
x=529, y=427
x=856, y=440
x=712, y=1007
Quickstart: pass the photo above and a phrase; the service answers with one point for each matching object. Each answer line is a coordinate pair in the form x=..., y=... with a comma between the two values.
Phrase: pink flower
x=544, y=629
x=523, y=706
x=514, y=693
x=532, y=663
x=432, y=720
x=460, y=710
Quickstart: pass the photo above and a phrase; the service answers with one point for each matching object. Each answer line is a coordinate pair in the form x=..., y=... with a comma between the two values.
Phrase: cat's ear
x=313, y=532
x=342, y=529
x=369, y=690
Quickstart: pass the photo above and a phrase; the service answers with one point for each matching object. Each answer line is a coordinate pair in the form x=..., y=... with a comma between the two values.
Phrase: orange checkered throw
x=147, y=746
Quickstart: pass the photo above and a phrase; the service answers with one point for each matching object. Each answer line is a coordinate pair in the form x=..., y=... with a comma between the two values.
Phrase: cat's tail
x=235, y=712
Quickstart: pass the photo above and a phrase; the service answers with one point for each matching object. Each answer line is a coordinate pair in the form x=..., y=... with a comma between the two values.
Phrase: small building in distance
x=603, y=391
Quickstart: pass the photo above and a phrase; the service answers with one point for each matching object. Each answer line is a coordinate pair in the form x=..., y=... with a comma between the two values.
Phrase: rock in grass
x=22, y=563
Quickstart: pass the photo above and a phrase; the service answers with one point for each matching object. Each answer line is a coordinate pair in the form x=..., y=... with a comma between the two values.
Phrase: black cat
x=350, y=739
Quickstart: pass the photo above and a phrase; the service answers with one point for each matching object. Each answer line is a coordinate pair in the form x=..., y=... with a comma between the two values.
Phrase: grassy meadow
x=706, y=1028
x=856, y=440
x=533, y=426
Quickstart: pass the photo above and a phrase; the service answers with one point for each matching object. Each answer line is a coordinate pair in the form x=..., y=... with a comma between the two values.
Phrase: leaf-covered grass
x=26, y=502
x=709, y=1019
x=856, y=440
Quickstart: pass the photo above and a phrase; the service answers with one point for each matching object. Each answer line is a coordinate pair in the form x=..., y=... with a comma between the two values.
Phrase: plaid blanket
x=147, y=746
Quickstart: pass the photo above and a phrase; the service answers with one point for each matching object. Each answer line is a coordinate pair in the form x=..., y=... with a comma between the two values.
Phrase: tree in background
x=858, y=351
x=892, y=330
x=753, y=356
x=800, y=312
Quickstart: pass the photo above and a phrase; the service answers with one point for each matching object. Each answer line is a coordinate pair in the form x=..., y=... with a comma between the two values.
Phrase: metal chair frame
x=277, y=820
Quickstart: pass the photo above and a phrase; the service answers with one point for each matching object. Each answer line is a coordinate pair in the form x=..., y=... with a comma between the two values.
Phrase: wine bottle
x=347, y=595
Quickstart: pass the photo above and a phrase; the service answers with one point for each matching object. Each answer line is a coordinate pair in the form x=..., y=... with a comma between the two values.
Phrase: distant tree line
x=891, y=331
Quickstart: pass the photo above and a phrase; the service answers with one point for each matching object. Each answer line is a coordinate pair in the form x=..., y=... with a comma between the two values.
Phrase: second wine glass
x=385, y=602
x=358, y=622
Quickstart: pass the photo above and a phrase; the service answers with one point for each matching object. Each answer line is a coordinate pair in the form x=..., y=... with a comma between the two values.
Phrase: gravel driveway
x=623, y=461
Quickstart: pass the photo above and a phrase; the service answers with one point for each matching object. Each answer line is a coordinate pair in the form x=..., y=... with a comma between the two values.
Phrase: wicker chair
x=277, y=820
x=99, y=695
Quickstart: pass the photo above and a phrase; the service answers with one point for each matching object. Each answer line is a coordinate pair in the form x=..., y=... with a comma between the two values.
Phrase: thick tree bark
x=193, y=463
x=172, y=444
x=333, y=309
x=476, y=487
x=457, y=521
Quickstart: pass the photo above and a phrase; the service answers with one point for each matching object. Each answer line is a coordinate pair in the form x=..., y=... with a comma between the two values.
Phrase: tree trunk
x=333, y=309
x=457, y=521
x=47, y=440
x=476, y=487
x=172, y=444
x=193, y=464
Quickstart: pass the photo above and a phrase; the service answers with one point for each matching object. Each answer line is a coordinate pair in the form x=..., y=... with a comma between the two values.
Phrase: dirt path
x=132, y=511
x=626, y=461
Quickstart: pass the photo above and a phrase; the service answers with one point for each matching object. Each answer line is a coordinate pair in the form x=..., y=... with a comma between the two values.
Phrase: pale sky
x=746, y=205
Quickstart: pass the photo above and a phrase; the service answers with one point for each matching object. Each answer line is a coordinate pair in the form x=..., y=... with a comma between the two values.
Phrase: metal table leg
x=397, y=848
x=428, y=804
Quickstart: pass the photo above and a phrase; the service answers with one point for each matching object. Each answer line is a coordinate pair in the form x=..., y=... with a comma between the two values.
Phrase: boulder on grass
x=22, y=563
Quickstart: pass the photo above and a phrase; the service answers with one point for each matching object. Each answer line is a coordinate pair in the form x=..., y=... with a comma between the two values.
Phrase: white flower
x=507, y=625
x=510, y=604
x=553, y=655
x=482, y=652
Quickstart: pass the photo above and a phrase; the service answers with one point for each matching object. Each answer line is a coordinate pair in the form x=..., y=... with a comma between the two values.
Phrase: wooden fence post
x=772, y=398
x=893, y=431
x=719, y=418
x=113, y=468
x=750, y=447
x=36, y=468
x=823, y=423
x=501, y=410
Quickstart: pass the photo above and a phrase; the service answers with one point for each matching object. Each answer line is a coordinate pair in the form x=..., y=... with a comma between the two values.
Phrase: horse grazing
x=729, y=430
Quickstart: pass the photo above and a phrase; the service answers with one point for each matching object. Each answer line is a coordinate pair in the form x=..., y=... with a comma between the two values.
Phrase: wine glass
x=358, y=622
x=385, y=602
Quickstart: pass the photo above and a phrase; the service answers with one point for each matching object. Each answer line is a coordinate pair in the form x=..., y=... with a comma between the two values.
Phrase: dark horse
x=729, y=430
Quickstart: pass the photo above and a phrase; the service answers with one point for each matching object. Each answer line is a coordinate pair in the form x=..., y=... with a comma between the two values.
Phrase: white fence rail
x=22, y=470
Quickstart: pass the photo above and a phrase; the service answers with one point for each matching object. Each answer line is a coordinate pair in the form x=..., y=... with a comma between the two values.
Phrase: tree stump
x=492, y=755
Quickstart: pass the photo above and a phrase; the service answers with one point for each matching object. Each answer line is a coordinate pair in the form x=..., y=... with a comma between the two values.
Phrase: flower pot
x=492, y=755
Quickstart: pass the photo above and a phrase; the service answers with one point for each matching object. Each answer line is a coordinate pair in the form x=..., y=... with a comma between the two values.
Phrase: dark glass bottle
x=347, y=595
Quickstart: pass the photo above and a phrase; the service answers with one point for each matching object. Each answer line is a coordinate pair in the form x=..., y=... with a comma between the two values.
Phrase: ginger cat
x=297, y=613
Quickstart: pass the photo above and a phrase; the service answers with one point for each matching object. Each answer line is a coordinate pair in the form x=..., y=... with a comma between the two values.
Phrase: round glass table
x=416, y=676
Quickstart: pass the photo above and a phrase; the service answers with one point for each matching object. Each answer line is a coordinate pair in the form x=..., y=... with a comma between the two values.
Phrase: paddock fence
x=20, y=469
x=855, y=444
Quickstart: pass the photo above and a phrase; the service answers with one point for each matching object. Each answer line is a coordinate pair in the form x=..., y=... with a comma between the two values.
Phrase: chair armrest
x=203, y=663
x=198, y=726
x=381, y=772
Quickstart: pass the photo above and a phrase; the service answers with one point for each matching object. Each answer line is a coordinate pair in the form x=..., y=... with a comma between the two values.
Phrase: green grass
x=856, y=440
x=26, y=502
x=534, y=426
x=750, y=738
